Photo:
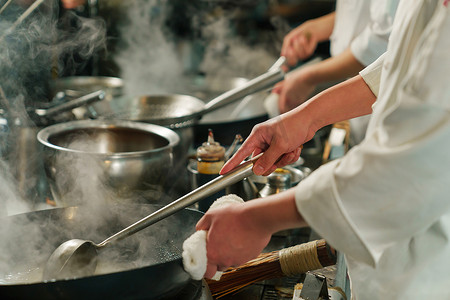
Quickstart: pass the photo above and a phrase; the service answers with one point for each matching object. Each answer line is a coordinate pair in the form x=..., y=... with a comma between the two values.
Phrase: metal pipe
x=237, y=174
x=257, y=84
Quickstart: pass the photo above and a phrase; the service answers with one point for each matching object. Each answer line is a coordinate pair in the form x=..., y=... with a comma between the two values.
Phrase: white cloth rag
x=194, y=247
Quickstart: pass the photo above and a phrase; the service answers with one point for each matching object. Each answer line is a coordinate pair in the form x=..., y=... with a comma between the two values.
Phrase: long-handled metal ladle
x=78, y=258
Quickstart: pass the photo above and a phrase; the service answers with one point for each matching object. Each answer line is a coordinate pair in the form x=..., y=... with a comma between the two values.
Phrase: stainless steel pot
x=148, y=108
x=98, y=160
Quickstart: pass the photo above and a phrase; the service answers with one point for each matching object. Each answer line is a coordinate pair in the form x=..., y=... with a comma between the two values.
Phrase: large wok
x=147, y=265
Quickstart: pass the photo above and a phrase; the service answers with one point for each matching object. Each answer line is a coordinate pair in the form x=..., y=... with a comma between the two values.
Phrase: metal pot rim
x=110, y=81
x=172, y=137
x=186, y=119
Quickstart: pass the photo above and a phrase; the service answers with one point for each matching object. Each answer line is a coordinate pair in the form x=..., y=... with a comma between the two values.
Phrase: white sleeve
x=372, y=75
x=373, y=40
x=318, y=197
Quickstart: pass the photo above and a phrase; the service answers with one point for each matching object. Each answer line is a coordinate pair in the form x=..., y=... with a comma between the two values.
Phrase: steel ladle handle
x=237, y=174
x=272, y=76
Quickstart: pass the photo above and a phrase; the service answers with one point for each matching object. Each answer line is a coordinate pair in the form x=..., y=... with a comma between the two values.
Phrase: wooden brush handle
x=326, y=254
x=306, y=257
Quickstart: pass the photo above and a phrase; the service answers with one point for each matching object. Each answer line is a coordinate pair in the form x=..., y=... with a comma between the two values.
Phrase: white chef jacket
x=386, y=204
x=351, y=18
x=364, y=26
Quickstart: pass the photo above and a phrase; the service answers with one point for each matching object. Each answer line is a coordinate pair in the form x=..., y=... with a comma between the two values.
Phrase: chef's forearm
x=335, y=68
x=349, y=99
x=324, y=25
x=276, y=212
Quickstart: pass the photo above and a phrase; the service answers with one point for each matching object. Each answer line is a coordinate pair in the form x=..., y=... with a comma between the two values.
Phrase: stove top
x=194, y=290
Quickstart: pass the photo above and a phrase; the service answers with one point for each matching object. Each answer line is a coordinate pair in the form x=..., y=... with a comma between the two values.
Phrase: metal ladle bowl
x=78, y=258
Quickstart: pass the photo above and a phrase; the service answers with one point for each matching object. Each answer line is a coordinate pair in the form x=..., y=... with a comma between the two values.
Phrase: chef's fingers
x=270, y=171
x=70, y=4
x=284, y=160
x=289, y=158
x=204, y=223
x=287, y=41
x=221, y=268
x=299, y=46
x=242, y=153
x=311, y=45
x=291, y=57
x=278, y=87
x=235, y=160
x=211, y=270
x=267, y=163
x=304, y=45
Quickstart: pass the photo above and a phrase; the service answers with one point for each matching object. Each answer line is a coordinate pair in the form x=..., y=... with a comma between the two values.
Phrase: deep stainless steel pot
x=94, y=160
x=146, y=109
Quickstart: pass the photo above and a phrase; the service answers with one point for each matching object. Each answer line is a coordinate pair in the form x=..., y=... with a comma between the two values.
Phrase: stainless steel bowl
x=106, y=160
x=297, y=174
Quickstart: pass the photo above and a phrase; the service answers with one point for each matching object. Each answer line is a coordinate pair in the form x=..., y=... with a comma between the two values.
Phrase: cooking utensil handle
x=305, y=257
x=268, y=79
x=240, y=172
x=86, y=99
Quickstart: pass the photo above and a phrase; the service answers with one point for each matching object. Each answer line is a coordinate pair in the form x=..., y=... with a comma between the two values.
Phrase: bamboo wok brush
x=286, y=262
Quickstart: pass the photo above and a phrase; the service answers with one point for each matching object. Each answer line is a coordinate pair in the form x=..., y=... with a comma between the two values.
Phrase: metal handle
x=237, y=174
x=257, y=84
x=266, y=80
x=86, y=99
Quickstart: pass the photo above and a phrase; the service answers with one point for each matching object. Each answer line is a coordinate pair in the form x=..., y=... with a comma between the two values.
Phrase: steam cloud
x=152, y=60
x=228, y=55
x=31, y=54
x=148, y=60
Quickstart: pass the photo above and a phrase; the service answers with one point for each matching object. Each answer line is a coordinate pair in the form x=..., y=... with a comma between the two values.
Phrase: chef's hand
x=234, y=237
x=71, y=4
x=295, y=89
x=280, y=139
x=301, y=42
x=239, y=232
